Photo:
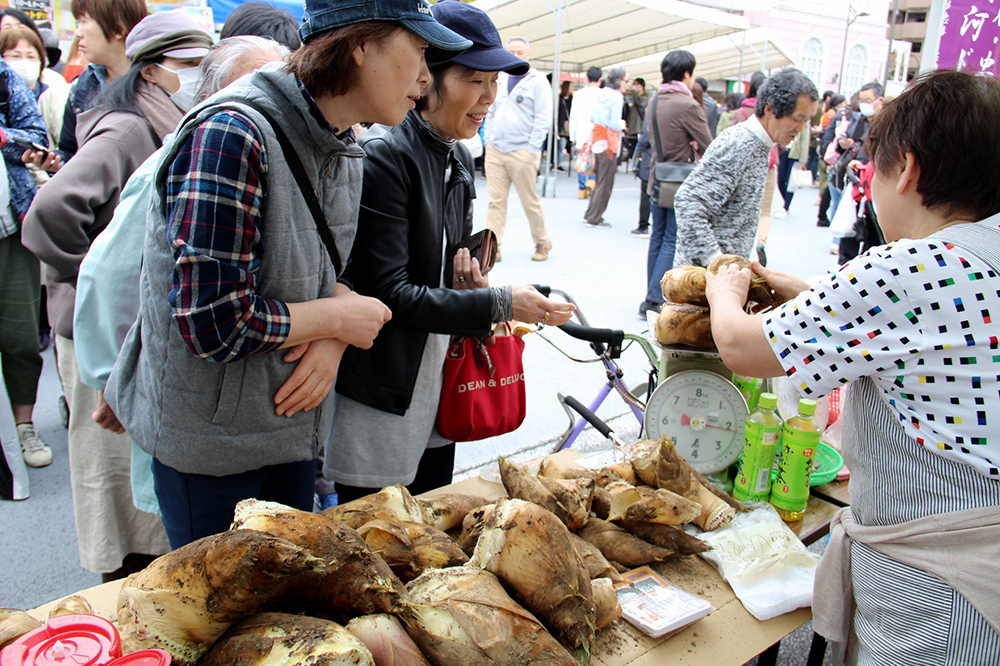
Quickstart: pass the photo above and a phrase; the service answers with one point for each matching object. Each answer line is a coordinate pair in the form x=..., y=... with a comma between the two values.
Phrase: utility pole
x=852, y=16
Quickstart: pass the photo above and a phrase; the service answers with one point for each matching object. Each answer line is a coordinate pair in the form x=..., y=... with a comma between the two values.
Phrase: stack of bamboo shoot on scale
x=684, y=317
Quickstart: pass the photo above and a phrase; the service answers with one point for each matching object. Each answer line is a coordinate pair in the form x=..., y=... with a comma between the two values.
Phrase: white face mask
x=867, y=109
x=29, y=70
x=183, y=99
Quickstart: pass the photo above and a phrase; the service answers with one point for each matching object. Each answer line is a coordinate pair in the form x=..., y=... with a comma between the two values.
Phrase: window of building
x=811, y=60
x=916, y=17
x=855, y=69
x=917, y=46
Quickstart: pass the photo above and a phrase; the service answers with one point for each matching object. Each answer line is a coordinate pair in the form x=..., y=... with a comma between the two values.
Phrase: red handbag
x=483, y=390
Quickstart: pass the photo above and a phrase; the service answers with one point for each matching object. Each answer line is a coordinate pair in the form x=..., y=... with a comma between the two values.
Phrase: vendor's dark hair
x=594, y=74
x=259, y=20
x=121, y=94
x=781, y=92
x=676, y=64
x=950, y=121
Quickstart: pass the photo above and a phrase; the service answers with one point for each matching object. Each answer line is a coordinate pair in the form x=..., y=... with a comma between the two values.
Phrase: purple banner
x=970, y=36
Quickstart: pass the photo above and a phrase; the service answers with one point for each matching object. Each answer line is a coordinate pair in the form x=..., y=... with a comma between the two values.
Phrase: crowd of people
x=252, y=263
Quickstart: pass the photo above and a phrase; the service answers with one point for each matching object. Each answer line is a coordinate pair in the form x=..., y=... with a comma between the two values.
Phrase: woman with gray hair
x=234, y=57
x=718, y=205
x=605, y=141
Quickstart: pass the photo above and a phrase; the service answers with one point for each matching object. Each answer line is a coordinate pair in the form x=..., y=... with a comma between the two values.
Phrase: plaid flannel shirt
x=214, y=200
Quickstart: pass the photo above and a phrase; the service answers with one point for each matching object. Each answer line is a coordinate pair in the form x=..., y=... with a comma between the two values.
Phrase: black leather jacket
x=408, y=211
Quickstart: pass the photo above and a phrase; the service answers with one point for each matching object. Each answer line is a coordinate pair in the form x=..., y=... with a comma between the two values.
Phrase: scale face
x=702, y=412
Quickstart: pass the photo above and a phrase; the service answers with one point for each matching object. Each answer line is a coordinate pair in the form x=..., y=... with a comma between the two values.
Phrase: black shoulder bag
x=667, y=176
x=304, y=185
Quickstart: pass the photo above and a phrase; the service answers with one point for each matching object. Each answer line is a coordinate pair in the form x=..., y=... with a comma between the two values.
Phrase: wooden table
x=729, y=636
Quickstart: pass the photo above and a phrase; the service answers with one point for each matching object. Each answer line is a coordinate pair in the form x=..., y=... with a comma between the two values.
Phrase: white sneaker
x=36, y=452
x=781, y=214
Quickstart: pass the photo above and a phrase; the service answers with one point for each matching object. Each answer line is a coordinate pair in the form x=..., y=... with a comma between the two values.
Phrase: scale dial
x=703, y=413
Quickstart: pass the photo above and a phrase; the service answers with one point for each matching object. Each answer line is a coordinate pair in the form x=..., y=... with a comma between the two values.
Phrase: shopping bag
x=584, y=162
x=482, y=394
x=842, y=224
x=800, y=179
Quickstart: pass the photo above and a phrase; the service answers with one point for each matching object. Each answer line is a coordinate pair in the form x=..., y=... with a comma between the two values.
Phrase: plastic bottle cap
x=66, y=640
x=807, y=407
x=144, y=658
x=768, y=401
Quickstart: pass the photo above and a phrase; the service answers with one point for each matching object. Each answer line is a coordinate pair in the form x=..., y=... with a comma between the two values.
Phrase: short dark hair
x=946, y=119
x=676, y=64
x=703, y=83
x=875, y=87
x=834, y=100
x=827, y=94
x=781, y=92
x=116, y=17
x=256, y=19
x=325, y=64
x=732, y=101
x=641, y=81
x=594, y=74
x=22, y=18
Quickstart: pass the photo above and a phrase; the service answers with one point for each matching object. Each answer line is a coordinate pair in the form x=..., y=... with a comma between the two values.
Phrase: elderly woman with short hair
x=719, y=204
x=910, y=574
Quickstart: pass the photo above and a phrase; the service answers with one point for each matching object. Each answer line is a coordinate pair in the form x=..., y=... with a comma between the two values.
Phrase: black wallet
x=482, y=246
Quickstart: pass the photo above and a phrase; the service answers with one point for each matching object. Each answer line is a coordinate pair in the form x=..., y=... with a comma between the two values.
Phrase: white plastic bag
x=767, y=566
x=842, y=224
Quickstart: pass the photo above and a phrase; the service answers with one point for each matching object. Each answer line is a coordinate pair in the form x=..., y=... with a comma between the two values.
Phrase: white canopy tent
x=600, y=32
x=724, y=57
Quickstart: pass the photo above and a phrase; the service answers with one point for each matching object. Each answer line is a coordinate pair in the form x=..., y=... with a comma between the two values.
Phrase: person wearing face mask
x=129, y=122
x=854, y=158
x=24, y=53
x=416, y=207
x=225, y=377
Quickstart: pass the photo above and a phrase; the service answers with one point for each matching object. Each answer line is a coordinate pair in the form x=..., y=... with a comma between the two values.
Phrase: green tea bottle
x=750, y=387
x=761, y=435
x=799, y=441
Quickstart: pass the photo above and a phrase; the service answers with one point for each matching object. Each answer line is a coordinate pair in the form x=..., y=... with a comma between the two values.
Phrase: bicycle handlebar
x=606, y=335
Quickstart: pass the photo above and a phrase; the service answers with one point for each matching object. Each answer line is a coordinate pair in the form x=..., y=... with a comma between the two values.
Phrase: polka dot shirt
x=916, y=317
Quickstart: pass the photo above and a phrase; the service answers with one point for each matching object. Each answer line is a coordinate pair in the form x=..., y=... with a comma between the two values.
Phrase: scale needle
x=686, y=420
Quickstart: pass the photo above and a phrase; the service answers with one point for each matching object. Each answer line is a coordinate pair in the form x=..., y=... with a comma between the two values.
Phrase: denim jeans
x=662, y=243
x=195, y=506
x=835, y=196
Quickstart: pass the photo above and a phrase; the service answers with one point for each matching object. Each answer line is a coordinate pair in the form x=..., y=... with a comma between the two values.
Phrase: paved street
x=605, y=271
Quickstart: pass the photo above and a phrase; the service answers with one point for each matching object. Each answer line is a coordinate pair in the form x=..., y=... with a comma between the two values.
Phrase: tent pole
x=553, y=142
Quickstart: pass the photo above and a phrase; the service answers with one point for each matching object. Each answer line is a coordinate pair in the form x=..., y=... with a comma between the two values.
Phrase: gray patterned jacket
x=719, y=204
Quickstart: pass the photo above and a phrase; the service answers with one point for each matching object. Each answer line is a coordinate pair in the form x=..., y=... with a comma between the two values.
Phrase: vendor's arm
x=738, y=335
x=215, y=199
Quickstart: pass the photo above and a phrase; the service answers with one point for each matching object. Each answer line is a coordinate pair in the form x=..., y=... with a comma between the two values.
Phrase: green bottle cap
x=807, y=407
x=768, y=401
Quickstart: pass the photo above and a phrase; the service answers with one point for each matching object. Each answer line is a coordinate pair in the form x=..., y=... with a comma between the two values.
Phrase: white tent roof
x=719, y=57
x=600, y=32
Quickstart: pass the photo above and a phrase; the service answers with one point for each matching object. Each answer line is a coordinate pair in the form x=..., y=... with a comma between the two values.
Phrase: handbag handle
x=305, y=185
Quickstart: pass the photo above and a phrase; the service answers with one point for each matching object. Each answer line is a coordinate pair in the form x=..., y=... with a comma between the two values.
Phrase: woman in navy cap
x=416, y=207
x=225, y=377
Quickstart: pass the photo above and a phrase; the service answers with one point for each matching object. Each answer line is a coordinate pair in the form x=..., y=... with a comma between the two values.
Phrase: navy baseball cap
x=487, y=53
x=414, y=15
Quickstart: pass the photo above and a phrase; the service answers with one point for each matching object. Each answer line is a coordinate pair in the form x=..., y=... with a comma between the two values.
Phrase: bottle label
x=790, y=490
x=751, y=388
x=753, y=480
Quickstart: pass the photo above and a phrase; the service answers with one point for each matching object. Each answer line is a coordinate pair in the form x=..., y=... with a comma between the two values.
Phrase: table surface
x=727, y=636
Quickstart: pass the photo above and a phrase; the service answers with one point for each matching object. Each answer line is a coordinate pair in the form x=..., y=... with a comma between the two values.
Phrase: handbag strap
x=656, y=128
x=305, y=185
